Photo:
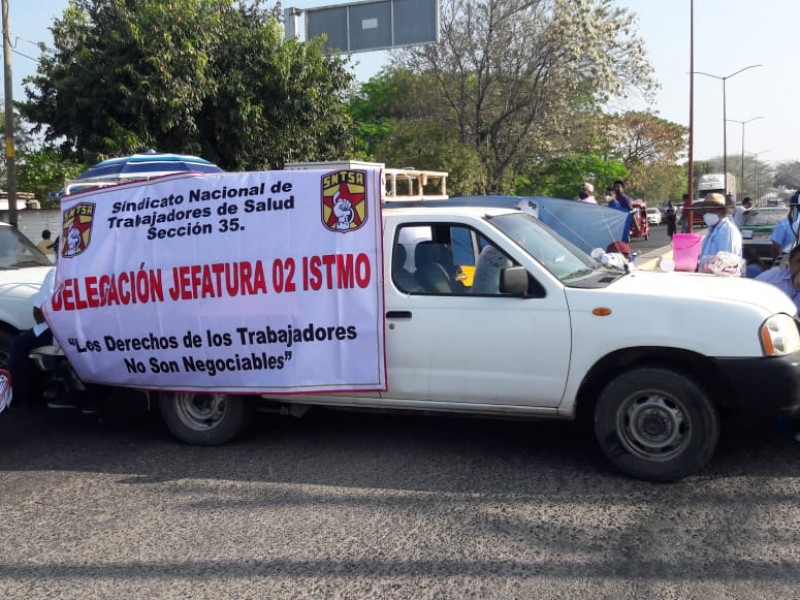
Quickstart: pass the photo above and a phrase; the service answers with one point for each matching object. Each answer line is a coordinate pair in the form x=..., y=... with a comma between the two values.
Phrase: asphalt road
x=342, y=505
x=657, y=238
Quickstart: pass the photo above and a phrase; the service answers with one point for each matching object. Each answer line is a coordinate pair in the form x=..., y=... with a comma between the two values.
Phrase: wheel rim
x=201, y=412
x=654, y=426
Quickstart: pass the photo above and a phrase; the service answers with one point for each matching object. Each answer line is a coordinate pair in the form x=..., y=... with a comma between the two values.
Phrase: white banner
x=238, y=282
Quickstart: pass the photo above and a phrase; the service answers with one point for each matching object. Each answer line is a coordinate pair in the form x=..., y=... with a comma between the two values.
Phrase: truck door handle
x=398, y=314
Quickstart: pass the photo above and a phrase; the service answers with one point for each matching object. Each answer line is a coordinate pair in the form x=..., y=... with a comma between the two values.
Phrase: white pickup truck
x=488, y=312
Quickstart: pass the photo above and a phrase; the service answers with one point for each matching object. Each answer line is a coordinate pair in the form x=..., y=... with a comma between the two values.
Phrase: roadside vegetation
x=518, y=97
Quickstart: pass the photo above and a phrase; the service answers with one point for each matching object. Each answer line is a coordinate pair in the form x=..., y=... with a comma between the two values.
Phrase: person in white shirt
x=723, y=235
x=587, y=194
x=784, y=236
x=740, y=212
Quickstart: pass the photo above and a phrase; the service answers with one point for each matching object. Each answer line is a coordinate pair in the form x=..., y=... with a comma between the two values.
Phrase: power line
x=36, y=60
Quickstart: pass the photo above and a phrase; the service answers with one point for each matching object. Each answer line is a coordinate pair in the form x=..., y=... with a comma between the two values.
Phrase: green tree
x=208, y=77
x=651, y=148
x=787, y=174
x=22, y=141
x=510, y=76
x=45, y=171
x=431, y=146
x=657, y=183
x=561, y=177
x=373, y=107
x=274, y=101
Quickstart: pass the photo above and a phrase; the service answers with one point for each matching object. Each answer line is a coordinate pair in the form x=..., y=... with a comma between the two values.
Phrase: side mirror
x=514, y=281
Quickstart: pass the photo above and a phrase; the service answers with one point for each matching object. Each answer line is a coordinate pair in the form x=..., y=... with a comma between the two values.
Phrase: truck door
x=449, y=341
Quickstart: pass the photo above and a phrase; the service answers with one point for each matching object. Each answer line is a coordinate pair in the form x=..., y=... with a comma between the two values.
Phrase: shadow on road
x=361, y=450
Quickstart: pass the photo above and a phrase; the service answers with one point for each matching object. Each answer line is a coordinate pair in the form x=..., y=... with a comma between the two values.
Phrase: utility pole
x=690, y=202
x=11, y=167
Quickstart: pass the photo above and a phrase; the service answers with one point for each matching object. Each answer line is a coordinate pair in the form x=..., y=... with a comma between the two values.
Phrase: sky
x=729, y=35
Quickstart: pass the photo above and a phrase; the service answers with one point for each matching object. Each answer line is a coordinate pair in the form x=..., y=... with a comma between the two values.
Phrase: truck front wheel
x=656, y=424
x=205, y=419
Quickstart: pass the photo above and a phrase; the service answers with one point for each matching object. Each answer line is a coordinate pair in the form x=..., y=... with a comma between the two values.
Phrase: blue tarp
x=588, y=226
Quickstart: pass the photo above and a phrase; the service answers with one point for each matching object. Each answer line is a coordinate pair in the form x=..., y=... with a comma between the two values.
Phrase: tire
x=205, y=419
x=656, y=424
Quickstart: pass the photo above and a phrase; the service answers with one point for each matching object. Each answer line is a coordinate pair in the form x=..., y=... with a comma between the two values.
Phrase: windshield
x=17, y=251
x=564, y=260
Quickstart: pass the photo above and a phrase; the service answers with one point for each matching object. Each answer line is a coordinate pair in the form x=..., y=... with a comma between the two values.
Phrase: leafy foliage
x=562, y=177
x=431, y=146
x=787, y=174
x=45, y=171
x=509, y=75
x=208, y=77
x=641, y=138
x=378, y=101
x=650, y=148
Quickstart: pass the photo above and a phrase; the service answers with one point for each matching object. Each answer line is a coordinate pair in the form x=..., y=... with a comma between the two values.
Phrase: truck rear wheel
x=205, y=419
x=656, y=424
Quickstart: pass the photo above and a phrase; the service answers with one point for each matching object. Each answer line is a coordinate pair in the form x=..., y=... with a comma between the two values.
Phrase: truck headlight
x=779, y=336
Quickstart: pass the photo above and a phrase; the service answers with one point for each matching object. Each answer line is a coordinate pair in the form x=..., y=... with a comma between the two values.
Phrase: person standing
x=784, y=236
x=624, y=201
x=587, y=194
x=686, y=214
x=624, y=204
x=671, y=219
x=730, y=204
x=723, y=235
x=46, y=246
x=741, y=211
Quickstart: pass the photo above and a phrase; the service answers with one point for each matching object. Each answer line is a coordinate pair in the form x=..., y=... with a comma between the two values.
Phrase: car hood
x=706, y=314
x=704, y=288
x=22, y=282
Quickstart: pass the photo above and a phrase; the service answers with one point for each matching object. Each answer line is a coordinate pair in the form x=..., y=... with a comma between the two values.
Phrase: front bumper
x=764, y=386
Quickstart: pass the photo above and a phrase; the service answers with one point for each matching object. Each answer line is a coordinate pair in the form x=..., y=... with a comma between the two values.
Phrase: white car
x=654, y=216
x=22, y=270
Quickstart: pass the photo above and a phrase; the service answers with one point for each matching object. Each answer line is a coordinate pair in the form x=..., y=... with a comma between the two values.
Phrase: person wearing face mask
x=723, y=235
x=784, y=236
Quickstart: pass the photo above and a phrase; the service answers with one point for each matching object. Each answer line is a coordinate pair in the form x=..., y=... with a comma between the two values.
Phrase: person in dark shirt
x=625, y=205
x=671, y=221
x=624, y=201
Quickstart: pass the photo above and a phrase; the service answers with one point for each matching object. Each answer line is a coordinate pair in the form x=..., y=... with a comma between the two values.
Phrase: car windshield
x=564, y=260
x=764, y=217
x=17, y=251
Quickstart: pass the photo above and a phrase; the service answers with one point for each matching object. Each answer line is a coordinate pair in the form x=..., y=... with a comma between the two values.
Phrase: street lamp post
x=725, y=117
x=743, y=123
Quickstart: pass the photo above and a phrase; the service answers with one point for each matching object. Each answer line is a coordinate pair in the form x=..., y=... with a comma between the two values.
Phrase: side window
x=442, y=259
x=403, y=257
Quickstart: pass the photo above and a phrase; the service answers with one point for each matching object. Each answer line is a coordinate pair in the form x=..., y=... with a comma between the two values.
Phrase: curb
x=651, y=260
